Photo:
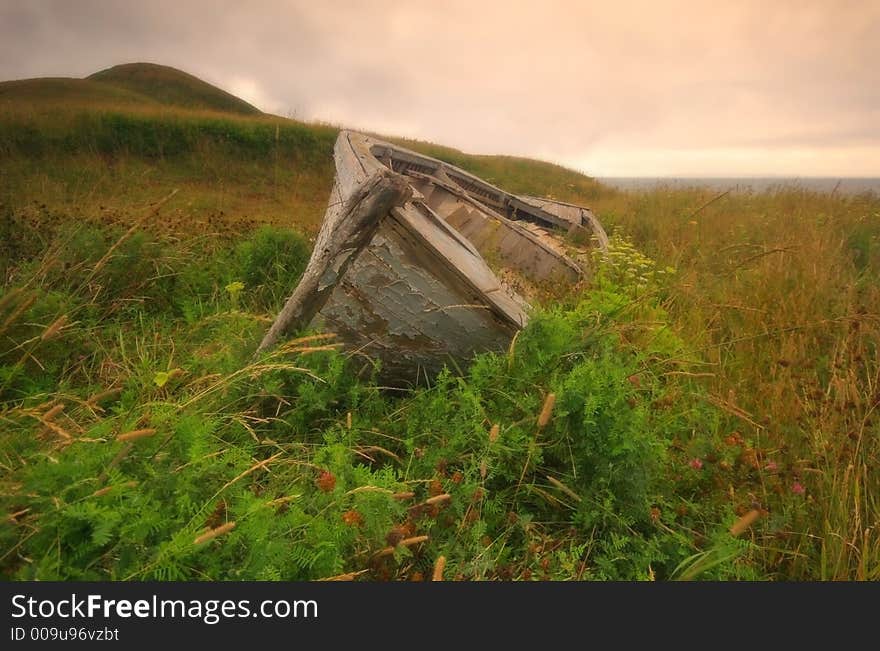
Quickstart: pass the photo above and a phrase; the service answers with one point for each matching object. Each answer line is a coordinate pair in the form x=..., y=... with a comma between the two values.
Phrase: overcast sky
x=613, y=88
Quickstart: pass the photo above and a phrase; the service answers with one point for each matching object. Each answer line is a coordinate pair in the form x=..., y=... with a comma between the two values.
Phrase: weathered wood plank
x=344, y=239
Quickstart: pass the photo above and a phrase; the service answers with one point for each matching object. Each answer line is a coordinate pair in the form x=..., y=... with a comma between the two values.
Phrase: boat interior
x=511, y=233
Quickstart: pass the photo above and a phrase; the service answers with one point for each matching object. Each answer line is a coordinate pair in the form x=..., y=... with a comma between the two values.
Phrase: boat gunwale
x=507, y=197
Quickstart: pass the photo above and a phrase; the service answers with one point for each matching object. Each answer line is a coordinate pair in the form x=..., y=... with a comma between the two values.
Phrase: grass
x=132, y=85
x=119, y=138
x=172, y=87
x=720, y=376
x=142, y=441
x=779, y=292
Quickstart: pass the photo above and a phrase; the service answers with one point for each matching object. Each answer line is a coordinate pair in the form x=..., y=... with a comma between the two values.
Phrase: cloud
x=610, y=87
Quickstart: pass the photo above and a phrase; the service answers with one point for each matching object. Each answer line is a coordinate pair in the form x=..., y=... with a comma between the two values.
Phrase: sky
x=612, y=88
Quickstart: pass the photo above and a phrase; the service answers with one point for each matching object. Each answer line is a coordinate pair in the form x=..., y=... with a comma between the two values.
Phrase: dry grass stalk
x=119, y=457
x=54, y=328
x=732, y=409
x=348, y=420
x=551, y=499
x=13, y=517
x=348, y=576
x=565, y=489
x=405, y=495
x=9, y=297
x=745, y=522
x=494, y=432
x=49, y=416
x=439, y=566
x=368, y=489
x=264, y=464
x=213, y=533
x=58, y=430
x=406, y=542
x=295, y=343
x=136, y=434
x=18, y=311
x=103, y=395
x=546, y=410
x=376, y=448
x=438, y=499
x=282, y=500
x=511, y=350
x=109, y=254
x=107, y=489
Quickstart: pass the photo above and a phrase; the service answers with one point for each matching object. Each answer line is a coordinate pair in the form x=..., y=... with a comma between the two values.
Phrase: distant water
x=748, y=184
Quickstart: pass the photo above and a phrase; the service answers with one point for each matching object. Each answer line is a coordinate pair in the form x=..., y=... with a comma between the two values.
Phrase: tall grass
x=142, y=441
x=72, y=155
x=781, y=293
x=108, y=161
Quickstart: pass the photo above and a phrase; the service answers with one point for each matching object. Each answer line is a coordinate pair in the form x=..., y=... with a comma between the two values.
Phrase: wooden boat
x=434, y=270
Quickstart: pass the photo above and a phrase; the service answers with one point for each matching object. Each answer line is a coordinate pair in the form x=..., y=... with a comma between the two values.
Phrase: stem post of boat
x=343, y=242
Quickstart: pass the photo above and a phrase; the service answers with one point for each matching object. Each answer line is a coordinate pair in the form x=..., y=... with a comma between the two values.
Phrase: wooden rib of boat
x=419, y=263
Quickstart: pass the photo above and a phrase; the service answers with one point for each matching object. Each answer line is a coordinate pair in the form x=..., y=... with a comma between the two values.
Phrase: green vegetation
x=135, y=421
x=64, y=92
x=131, y=85
x=779, y=293
x=172, y=87
x=704, y=409
x=87, y=149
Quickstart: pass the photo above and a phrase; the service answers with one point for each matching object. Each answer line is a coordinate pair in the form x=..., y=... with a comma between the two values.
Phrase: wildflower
x=771, y=466
x=797, y=488
x=696, y=464
x=352, y=518
x=326, y=482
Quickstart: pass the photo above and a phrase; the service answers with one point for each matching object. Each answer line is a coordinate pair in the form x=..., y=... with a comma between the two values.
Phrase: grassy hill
x=65, y=91
x=705, y=409
x=172, y=87
x=130, y=85
x=133, y=132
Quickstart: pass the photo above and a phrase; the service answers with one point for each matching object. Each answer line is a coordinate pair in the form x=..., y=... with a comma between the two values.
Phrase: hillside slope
x=123, y=136
x=173, y=87
x=68, y=91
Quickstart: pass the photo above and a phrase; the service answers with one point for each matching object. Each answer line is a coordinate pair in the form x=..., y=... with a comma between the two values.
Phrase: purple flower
x=696, y=464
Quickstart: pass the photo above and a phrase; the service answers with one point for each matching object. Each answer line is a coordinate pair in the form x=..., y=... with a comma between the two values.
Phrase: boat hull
x=421, y=294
